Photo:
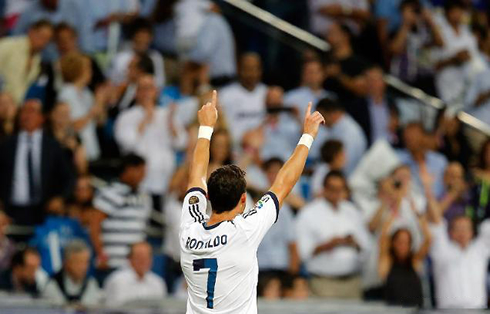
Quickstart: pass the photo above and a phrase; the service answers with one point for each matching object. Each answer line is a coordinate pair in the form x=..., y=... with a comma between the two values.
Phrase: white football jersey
x=220, y=261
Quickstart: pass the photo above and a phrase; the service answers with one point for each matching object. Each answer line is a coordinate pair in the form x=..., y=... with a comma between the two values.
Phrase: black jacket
x=57, y=177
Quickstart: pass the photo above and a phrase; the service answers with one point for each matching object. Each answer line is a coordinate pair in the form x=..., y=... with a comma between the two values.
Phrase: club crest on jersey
x=193, y=200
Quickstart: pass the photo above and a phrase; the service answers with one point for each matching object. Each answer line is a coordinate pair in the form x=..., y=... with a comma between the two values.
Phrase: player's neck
x=217, y=218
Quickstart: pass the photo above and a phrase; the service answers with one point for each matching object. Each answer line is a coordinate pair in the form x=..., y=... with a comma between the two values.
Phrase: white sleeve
x=126, y=132
x=194, y=207
x=305, y=237
x=258, y=220
x=484, y=236
x=440, y=241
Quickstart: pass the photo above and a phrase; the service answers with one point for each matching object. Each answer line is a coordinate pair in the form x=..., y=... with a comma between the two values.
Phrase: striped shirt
x=128, y=212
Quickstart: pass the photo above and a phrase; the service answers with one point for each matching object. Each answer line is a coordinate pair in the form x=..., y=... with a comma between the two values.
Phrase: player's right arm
x=293, y=168
x=207, y=116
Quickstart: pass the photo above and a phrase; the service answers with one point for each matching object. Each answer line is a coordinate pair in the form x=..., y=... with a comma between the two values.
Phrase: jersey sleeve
x=258, y=220
x=194, y=207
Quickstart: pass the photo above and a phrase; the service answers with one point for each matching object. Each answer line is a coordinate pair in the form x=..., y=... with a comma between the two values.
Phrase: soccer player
x=219, y=253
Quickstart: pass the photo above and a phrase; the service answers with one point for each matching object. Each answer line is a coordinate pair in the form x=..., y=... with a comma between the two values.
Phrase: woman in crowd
x=63, y=131
x=333, y=158
x=220, y=152
x=399, y=265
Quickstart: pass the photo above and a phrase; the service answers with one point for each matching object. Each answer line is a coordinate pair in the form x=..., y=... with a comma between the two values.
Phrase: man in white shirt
x=136, y=282
x=331, y=239
x=73, y=285
x=459, y=60
x=460, y=262
x=342, y=127
x=311, y=88
x=351, y=12
x=153, y=133
x=243, y=102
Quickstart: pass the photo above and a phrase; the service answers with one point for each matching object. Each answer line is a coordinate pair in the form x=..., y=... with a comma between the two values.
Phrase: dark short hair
x=63, y=26
x=140, y=25
x=414, y=3
x=41, y=24
x=482, y=162
x=330, y=149
x=130, y=161
x=272, y=161
x=329, y=105
x=225, y=187
x=451, y=4
x=334, y=174
x=145, y=64
x=19, y=257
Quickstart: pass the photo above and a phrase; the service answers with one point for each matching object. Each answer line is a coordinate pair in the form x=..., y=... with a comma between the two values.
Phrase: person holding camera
x=396, y=199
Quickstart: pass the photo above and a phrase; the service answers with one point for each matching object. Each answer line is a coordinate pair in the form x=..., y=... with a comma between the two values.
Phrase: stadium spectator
x=460, y=262
x=80, y=205
x=7, y=247
x=198, y=30
x=135, y=282
x=481, y=187
x=345, y=70
x=33, y=168
x=458, y=61
x=51, y=237
x=87, y=109
x=453, y=141
x=155, y=134
x=324, y=13
x=456, y=199
x=311, y=88
x=72, y=285
x=8, y=112
x=411, y=41
x=278, y=254
x=66, y=40
x=21, y=276
x=280, y=127
x=418, y=157
x=243, y=102
x=331, y=238
x=23, y=52
x=399, y=266
x=395, y=196
x=220, y=150
x=141, y=38
x=61, y=128
x=477, y=98
x=376, y=113
x=124, y=95
x=57, y=11
x=111, y=232
x=340, y=126
x=333, y=157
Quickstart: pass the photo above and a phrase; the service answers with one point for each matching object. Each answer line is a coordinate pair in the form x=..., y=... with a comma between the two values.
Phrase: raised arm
x=207, y=116
x=293, y=168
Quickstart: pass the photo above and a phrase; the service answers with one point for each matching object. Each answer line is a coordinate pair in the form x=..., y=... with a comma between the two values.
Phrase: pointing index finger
x=214, y=99
x=308, y=111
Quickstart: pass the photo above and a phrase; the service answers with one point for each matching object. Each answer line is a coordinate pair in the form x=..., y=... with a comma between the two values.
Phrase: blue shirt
x=281, y=138
x=273, y=252
x=51, y=238
x=379, y=115
x=436, y=164
x=216, y=47
x=390, y=10
x=347, y=131
x=301, y=96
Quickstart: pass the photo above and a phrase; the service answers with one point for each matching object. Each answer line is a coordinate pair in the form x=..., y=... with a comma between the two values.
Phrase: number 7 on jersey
x=212, y=264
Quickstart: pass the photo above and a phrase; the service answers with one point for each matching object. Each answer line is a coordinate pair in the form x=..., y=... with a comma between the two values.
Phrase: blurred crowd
x=98, y=103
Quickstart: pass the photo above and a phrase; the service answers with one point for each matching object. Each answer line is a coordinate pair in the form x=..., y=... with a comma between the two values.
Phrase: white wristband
x=307, y=140
x=205, y=132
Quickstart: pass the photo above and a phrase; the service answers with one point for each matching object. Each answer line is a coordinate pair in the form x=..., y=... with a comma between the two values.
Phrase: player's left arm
x=293, y=168
x=207, y=116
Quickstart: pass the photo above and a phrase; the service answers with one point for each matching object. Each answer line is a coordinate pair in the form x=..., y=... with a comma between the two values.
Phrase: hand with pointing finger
x=208, y=114
x=312, y=121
